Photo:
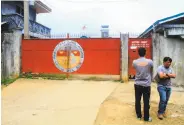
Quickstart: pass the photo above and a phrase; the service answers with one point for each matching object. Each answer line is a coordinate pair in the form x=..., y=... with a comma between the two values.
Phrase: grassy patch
x=94, y=78
x=44, y=76
x=8, y=81
x=30, y=75
x=117, y=81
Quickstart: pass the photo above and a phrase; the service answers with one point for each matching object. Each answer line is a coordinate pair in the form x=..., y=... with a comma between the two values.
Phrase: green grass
x=94, y=78
x=44, y=76
x=29, y=75
x=52, y=76
x=8, y=81
x=117, y=81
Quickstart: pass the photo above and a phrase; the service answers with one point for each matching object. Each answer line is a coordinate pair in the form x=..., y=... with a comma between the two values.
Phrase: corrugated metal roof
x=161, y=21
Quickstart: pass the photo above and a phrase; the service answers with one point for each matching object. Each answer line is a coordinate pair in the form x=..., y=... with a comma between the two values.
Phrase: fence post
x=68, y=35
x=124, y=57
x=68, y=49
x=26, y=20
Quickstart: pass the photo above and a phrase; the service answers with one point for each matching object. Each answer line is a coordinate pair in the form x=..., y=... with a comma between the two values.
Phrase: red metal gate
x=101, y=56
x=133, y=45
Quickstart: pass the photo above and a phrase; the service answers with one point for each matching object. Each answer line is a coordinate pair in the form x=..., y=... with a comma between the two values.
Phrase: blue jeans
x=164, y=93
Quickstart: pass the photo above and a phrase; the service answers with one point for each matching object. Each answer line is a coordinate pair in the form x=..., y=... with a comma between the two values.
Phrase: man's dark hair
x=142, y=52
x=167, y=59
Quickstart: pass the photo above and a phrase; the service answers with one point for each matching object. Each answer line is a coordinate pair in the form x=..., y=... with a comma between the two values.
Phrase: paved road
x=53, y=102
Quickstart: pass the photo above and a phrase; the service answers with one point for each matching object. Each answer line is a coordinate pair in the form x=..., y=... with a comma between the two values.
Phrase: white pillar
x=26, y=19
x=124, y=58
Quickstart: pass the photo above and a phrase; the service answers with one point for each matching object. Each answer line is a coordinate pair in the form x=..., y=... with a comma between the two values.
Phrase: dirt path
x=53, y=102
x=118, y=108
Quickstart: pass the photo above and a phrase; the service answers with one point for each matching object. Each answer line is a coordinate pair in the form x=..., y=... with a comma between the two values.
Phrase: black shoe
x=149, y=120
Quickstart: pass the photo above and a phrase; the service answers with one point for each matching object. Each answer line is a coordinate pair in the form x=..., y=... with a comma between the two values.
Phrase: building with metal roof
x=169, y=27
x=167, y=36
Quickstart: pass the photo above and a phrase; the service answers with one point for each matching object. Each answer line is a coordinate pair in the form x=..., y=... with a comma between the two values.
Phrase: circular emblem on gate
x=68, y=56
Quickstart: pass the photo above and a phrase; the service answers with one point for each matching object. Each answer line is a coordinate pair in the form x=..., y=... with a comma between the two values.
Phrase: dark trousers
x=139, y=91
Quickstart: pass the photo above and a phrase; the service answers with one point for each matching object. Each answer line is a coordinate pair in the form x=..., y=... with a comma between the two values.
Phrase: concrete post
x=26, y=19
x=11, y=54
x=124, y=58
x=68, y=35
x=17, y=52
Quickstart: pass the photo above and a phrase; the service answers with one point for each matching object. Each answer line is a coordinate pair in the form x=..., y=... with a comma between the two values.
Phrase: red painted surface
x=133, y=52
x=101, y=56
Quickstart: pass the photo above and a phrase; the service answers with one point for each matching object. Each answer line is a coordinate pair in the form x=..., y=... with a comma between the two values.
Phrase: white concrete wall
x=174, y=48
x=11, y=54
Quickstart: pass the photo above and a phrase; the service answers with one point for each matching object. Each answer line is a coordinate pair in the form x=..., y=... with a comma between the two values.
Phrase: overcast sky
x=121, y=15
